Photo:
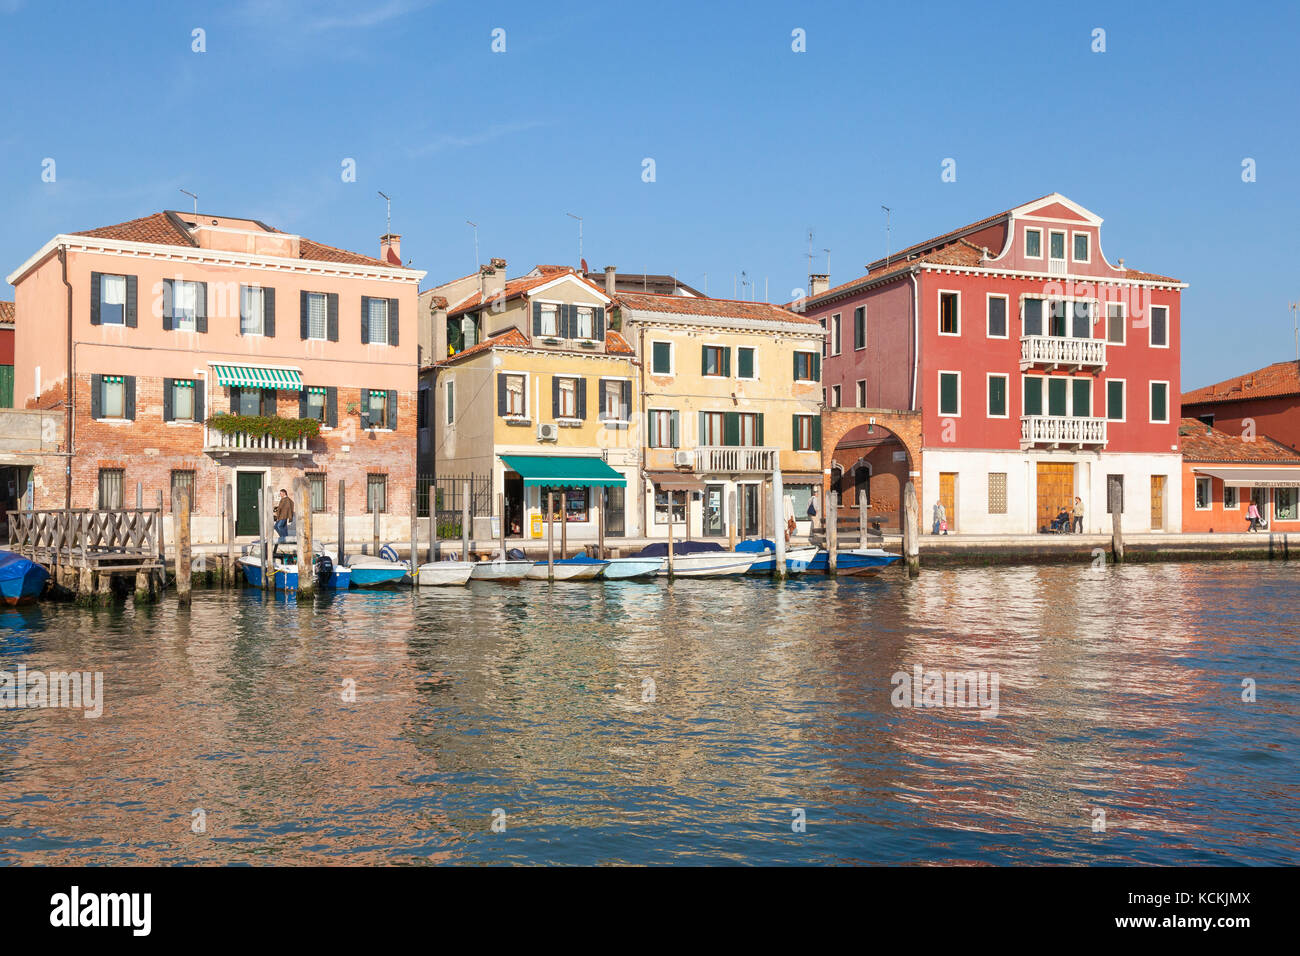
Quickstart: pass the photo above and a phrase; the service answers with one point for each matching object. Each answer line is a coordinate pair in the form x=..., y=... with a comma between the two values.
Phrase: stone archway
x=852, y=436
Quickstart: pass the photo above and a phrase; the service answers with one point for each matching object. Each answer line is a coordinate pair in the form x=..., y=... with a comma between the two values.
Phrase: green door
x=248, y=497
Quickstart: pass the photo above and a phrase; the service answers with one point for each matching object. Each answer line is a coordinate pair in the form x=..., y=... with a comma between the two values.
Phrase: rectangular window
x=805, y=367
x=1115, y=400
x=185, y=298
x=1284, y=504
x=662, y=361
x=712, y=428
x=1033, y=321
x=568, y=398
x=573, y=499
x=1202, y=494
x=110, y=489
x=1033, y=243
x=663, y=428
x=997, y=319
x=183, y=483
x=835, y=334
x=1080, y=247
x=515, y=403
x=862, y=393
x=1159, y=403
x=835, y=396
x=317, y=313
x=1159, y=327
x=715, y=361
x=112, y=397
x=1056, y=245
x=1057, y=396
x=949, y=393
x=112, y=300
x=376, y=493
x=748, y=428
x=585, y=325
x=1115, y=323
x=745, y=362
x=1081, y=326
x=666, y=500
x=997, y=492
x=248, y=401
x=449, y=402
x=949, y=313
x=316, y=403
x=803, y=433
x=378, y=319
x=252, y=310
x=381, y=416
x=611, y=401
x=1081, y=397
x=1033, y=395
x=316, y=485
x=549, y=319
x=1056, y=318
x=422, y=409
x=860, y=327
x=997, y=396
x=1231, y=498
x=183, y=400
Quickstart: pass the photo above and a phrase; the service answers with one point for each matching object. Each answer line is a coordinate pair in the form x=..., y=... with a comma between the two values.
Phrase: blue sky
x=753, y=143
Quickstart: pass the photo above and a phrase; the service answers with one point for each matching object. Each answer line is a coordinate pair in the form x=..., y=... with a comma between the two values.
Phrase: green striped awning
x=560, y=470
x=256, y=376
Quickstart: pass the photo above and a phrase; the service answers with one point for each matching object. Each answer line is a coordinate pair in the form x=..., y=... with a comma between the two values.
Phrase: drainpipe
x=67, y=468
x=916, y=334
x=647, y=521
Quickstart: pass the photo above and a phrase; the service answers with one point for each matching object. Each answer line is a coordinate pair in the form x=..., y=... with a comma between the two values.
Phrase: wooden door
x=1055, y=489
x=1157, y=502
x=248, y=502
x=948, y=497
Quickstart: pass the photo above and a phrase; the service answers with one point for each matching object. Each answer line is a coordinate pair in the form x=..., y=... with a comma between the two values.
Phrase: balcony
x=734, y=460
x=1055, y=351
x=1055, y=431
x=241, y=443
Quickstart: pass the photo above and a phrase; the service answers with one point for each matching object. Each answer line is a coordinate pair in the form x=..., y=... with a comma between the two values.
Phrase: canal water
x=700, y=722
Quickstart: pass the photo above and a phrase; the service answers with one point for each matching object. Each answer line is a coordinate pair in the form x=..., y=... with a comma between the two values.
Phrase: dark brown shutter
x=391, y=408
x=392, y=322
x=201, y=306
x=582, y=398
x=537, y=318
x=332, y=316
x=302, y=402
x=365, y=320
x=132, y=299
x=129, y=389
x=268, y=315
x=96, y=396
x=304, y=322
x=168, y=299
x=555, y=397
x=94, y=297
x=501, y=394
x=200, y=406
x=331, y=406
x=168, y=384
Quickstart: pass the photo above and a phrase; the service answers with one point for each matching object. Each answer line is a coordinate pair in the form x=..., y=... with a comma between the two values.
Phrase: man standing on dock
x=283, y=514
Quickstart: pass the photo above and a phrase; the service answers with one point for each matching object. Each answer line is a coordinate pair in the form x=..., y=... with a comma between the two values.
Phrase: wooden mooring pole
x=343, y=515
x=862, y=520
x=602, y=494
x=464, y=520
x=1116, y=531
x=501, y=509
x=230, y=535
x=731, y=520
x=832, y=532
x=564, y=525
x=181, y=502
x=162, y=543
x=911, y=525
x=306, y=553
x=374, y=510
x=268, y=564
x=670, y=534
x=415, y=535
x=550, y=535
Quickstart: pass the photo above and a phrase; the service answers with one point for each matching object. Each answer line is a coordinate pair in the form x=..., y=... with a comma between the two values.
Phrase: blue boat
x=797, y=558
x=328, y=576
x=383, y=570
x=21, y=580
x=855, y=561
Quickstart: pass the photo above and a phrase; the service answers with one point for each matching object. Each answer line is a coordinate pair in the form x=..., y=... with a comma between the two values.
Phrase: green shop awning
x=557, y=470
x=258, y=376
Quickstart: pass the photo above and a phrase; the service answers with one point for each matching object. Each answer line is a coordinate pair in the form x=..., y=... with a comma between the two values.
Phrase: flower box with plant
x=282, y=429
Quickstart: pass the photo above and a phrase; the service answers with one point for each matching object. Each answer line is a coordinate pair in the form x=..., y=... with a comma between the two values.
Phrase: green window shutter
x=332, y=316
x=796, y=366
x=817, y=367
x=1056, y=392
x=393, y=322
x=129, y=398
x=1033, y=396
x=948, y=394
x=731, y=428
x=365, y=320
x=817, y=433
x=1082, y=397
x=745, y=363
x=537, y=318
x=582, y=398
x=758, y=429
x=391, y=408
x=674, y=429
x=704, y=360
x=501, y=393
x=794, y=432
x=997, y=396
x=331, y=406
x=1159, y=402
x=726, y=362
x=1114, y=400
x=304, y=311
x=201, y=306
x=662, y=361
x=168, y=299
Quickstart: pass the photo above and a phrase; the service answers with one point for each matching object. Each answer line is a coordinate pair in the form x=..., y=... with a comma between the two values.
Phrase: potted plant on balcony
x=259, y=426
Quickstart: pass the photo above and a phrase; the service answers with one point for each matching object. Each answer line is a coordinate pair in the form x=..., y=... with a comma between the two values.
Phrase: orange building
x=1263, y=402
x=1224, y=471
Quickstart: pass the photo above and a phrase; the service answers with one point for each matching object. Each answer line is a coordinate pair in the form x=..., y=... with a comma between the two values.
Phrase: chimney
x=390, y=248
x=493, y=277
x=610, y=273
x=818, y=284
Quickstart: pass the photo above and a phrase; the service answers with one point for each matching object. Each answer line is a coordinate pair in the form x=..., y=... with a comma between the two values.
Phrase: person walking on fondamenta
x=283, y=514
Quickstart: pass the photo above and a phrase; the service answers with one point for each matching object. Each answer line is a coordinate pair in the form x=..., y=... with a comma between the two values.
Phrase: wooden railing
x=128, y=537
x=732, y=459
x=1058, y=350
x=219, y=441
x=1062, y=430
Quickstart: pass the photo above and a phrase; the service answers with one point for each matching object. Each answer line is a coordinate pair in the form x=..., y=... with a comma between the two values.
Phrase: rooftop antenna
x=810, y=247
x=706, y=285
x=579, y=218
x=475, y=225
x=888, y=216
x=1295, y=329
x=195, y=197
x=744, y=281
x=828, y=261
x=389, y=230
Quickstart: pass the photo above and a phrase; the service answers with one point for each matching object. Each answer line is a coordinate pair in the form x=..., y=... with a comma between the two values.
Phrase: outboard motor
x=324, y=568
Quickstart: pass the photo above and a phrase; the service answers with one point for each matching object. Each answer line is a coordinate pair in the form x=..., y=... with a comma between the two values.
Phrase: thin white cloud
x=496, y=131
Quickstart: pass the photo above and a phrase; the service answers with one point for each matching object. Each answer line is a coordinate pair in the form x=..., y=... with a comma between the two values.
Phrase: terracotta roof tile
x=719, y=308
x=511, y=336
x=615, y=344
x=166, y=229
x=1272, y=381
x=7, y=313
x=1203, y=443
x=517, y=287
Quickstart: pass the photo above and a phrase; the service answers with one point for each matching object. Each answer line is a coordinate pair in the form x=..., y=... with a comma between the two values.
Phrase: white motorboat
x=501, y=570
x=580, y=568
x=444, y=573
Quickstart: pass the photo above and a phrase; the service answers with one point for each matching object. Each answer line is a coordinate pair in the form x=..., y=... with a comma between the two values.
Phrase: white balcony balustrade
x=226, y=443
x=731, y=459
x=1054, y=351
x=1057, y=430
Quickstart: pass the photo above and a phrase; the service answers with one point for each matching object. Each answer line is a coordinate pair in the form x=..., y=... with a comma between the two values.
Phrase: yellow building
x=730, y=391
x=523, y=378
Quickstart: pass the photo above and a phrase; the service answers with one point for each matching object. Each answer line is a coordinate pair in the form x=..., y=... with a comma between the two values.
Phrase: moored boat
x=624, y=569
x=699, y=559
x=796, y=558
x=577, y=568
x=444, y=573
x=21, y=580
x=368, y=571
x=286, y=572
x=854, y=561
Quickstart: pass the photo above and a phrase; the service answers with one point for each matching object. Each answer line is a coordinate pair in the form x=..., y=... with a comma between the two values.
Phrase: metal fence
x=445, y=492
